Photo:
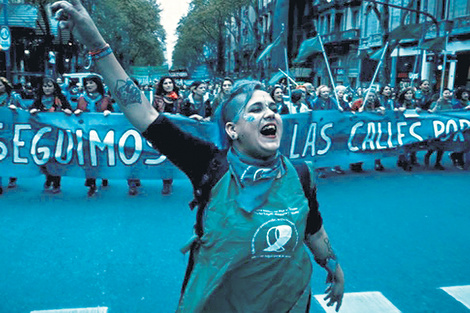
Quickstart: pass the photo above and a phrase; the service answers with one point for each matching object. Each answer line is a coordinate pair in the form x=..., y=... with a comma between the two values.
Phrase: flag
x=307, y=48
x=437, y=44
x=268, y=49
x=410, y=31
x=377, y=55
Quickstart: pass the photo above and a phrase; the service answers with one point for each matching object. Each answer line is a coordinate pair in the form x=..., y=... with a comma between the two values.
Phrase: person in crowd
x=424, y=95
x=167, y=99
x=341, y=92
x=310, y=89
x=406, y=101
x=232, y=268
x=9, y=99
x=371, y=104
x=28, y=92
x=324, y=101
x=197, y=105
x=462, y=103
x=49, y=98
x=223, y=94
x=94, y=100
x=386, y=97
x=278, y=96
x=298, y=104
x=443, y=103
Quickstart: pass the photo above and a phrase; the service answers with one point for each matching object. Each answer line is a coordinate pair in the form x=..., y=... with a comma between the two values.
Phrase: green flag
x=437, y=44
x=268, y=49
x=377, y=54
x=307, y=48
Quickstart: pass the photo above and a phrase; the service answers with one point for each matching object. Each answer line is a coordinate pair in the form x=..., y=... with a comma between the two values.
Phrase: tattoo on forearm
x=127, y=92
x=331, y=253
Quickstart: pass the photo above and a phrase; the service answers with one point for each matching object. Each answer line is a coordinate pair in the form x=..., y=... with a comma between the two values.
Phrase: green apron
x=252, y=262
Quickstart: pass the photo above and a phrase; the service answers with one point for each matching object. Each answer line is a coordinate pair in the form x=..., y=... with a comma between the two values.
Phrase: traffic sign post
x=5, y=38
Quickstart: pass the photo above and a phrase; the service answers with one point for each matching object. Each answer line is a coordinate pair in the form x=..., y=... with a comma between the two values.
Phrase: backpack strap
x=305, y=176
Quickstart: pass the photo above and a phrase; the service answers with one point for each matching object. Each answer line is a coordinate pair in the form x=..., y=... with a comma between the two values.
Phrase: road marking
x=80, y=310
x=361, y=302
x=459, y=293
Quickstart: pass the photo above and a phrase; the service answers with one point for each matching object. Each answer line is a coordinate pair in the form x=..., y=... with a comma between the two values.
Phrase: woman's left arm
x=320, y=245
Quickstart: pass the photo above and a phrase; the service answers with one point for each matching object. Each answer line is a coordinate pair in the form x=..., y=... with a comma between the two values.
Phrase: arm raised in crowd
x=132, y=102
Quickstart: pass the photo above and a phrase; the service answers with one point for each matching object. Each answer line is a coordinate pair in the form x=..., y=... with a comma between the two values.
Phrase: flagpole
x=287, y=66
x=329, y=71
x=290, y=78
x=375, y=74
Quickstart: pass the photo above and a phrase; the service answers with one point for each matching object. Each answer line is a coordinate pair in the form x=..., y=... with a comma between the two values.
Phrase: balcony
x=348, y=35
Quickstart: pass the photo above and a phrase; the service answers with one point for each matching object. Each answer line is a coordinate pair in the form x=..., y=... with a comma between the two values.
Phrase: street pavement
x=400, y=236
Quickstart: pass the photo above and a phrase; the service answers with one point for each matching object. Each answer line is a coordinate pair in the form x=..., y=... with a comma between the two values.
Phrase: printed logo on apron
x=276, y=238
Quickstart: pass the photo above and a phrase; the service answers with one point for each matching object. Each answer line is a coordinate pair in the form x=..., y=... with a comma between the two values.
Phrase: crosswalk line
x=79, y=310
x=459, y=293
x=361, y=302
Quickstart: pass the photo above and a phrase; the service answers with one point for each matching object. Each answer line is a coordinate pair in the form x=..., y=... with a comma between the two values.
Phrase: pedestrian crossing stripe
x=361, y=302
x=80, y=310
x=459, y=293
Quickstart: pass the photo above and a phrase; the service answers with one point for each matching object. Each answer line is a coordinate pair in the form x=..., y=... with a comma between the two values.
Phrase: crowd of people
x=200, y=100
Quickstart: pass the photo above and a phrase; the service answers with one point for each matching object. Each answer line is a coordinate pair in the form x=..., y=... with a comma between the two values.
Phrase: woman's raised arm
x=132, y=102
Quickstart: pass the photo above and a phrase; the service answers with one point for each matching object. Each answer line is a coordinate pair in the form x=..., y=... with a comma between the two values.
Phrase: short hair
x=459, y=92
x=242, y=92
x=320, y=88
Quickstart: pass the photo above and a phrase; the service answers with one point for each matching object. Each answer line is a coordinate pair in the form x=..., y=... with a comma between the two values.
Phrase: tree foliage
x=201, y=33
x=131, y=27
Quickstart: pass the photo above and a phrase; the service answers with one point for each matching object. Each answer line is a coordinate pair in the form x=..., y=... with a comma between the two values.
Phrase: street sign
x=5, y=38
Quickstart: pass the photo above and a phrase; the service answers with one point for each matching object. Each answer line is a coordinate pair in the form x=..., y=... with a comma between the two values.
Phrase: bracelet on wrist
x=99, y=54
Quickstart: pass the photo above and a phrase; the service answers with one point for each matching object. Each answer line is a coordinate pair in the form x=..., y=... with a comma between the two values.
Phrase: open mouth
x=269, y=130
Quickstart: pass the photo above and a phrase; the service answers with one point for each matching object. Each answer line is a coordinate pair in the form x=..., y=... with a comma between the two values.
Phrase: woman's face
x=387, y=91
x=325, y=93
x=201, y=90
x=340, y=94
x=424, y=85
x=168, y=85
x=258, y=128
x=409, y=95
x=464, y=95
x=2, y=87
x=48, y=88
x=91, y=86
x=278, y=95
x=226, y=87
x=447, y=94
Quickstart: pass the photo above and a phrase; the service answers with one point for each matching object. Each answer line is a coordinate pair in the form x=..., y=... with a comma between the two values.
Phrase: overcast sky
x=173, y=10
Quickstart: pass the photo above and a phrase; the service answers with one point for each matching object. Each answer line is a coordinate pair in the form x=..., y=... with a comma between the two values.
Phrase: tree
x=131, y=27
x=202, y=32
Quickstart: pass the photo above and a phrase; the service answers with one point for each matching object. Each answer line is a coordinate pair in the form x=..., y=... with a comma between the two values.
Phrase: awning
x=452, y=47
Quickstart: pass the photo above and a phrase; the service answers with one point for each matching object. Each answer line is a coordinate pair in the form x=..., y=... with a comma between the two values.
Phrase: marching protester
x=310, y=89
x=197, y=105
x=462, y=103
x=167, y=99
x=324, y=101
x=443, y=103
x=298, y=103
x=406, y=101
x=10, y=99
x=94, y=100
x=424, y=95
x=342, y=97
x=386, y=97
x=277, y=93
x=223, y=94
x=49, y=98
x=235, y=206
